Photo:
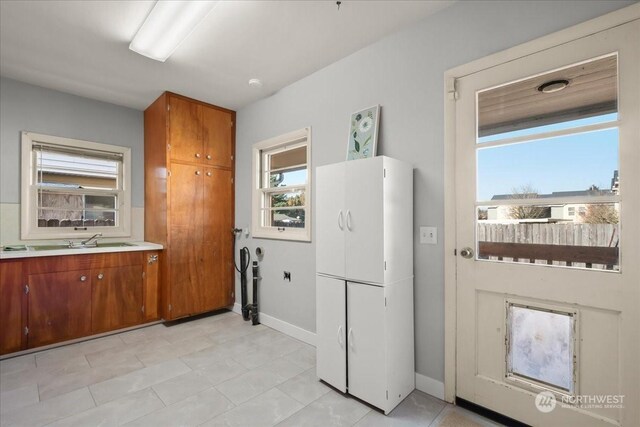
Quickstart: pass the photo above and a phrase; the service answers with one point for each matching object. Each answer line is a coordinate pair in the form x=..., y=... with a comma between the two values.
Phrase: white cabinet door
x=330, y=332
x=365, y=339
x=330, y=219
x=364, y=220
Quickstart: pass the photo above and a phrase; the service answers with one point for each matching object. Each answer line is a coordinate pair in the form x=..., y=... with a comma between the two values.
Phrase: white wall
x=24, y=107
x=403, y=73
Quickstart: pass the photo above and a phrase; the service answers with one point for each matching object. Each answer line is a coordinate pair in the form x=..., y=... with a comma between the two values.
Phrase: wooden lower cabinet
x=116, y=298
x=59, y=307
x=48, y=300
x=12, y=297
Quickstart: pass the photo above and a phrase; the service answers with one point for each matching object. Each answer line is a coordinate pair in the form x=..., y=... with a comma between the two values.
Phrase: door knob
x=208, y=156
x=197, y=155
x=466, y=253
x=83, y=278
x=197, y=172
x=208, y=173
x=100, y=276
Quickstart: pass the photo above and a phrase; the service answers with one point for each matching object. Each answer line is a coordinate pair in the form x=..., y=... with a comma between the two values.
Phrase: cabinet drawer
x=55, y=264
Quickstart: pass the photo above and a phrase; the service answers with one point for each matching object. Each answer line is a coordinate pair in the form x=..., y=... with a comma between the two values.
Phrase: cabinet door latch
x=26, y=330
x=26, y=289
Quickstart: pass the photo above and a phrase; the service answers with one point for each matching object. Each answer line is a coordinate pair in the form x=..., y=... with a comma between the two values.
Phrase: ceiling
x=592, y=90
x=81, y=47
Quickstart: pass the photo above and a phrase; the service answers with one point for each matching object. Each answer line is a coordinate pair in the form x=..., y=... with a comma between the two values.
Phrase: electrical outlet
x=429, y=235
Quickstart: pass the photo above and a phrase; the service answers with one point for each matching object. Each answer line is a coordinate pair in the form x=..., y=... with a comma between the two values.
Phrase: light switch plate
x=429, y=235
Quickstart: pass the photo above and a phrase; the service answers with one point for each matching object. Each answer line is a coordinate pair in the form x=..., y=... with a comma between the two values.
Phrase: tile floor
x=212, y=371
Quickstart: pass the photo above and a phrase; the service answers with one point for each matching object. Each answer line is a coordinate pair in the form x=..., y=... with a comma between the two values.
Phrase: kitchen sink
x=99, y=245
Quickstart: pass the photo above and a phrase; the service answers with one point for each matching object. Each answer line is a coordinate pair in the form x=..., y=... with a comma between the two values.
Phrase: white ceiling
x=81, y=47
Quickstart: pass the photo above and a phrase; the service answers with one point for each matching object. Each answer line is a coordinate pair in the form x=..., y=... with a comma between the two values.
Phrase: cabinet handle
x=208, y=173
x=340, y=336
x=349, y=339
x=83, y=278
x=197, y=172
x=208, y=156
x=349, y=220
x=100, y=276
x=197, y=155
x=340, y=220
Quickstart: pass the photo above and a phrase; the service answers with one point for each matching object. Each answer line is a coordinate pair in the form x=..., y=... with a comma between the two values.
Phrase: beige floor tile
x=332, y=409
x=418, y=409
x=305, y=388
x=17, y=364
x=265, y=410
x=60, y=384
x=125, y=351
x=258, y=380
x=305, y=357
x=51, y=410
x=115, y=413
x=191, y=411
x=134, y=381
x=222, y=370
x=18, y=398
x=181, y=387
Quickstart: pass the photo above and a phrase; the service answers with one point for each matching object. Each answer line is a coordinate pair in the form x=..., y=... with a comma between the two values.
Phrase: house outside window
x=281, y=206
x=73, y=188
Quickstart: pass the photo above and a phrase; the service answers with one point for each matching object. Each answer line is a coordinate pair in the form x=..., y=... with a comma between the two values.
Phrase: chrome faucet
x=94, y=237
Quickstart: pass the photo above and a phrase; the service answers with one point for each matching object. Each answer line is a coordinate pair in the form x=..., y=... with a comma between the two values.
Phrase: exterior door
x=364, y=220
x=330, y=219
x=366, y=355
x=548, y=232
x=331, y=331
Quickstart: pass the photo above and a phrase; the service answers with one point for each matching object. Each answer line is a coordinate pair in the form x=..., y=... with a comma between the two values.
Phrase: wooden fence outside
x=536, y=243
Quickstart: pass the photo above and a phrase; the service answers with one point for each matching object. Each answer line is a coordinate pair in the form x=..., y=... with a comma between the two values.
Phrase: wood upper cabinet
x=200, y=133
x=12, y=296
x=217, y=139
x=116, y=297
x=185, y=130
x=195, y=218
x=59, y=306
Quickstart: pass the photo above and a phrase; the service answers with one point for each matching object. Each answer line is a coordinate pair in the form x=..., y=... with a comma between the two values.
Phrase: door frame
x=593, y=26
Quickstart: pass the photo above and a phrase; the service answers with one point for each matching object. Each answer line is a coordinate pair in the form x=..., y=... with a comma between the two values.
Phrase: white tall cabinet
x=364, y=286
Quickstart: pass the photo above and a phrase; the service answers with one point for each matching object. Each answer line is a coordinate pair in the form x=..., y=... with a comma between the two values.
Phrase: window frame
x=29, y=229
x=288, y=141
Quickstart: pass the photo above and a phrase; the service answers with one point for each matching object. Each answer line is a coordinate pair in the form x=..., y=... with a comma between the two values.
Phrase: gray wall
x=25, y=107
x=403, y=73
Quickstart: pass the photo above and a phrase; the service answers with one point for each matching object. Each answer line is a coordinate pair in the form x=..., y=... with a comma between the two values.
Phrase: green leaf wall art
x=363, y=134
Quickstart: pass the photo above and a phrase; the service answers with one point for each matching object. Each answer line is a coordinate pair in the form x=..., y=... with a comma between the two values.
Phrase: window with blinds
x=74, y=187
x=282, y=188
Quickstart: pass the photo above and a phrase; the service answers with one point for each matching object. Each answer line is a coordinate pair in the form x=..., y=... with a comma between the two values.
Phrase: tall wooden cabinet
x=189, y=202
x=364, y=284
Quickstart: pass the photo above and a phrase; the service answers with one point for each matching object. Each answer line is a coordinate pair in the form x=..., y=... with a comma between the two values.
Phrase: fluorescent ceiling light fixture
x=168, y=24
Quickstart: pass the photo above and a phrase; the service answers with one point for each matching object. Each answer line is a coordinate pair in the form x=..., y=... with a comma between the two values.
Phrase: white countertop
x=31, y=253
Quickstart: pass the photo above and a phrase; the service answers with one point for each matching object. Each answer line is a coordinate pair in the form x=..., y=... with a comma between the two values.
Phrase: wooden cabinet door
x=331, y=335
x=11, y=298
x=150, y=284
x=185, y=240
x=59, y=307
x=217, y=135
x=185, y=130
x=364, y=220
x=365, y=339
x=217, y=258
x=116, y=297
x=330, y=219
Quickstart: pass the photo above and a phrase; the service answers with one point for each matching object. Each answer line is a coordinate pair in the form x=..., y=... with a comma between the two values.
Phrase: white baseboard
x=430, y=386
x=284, y=327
